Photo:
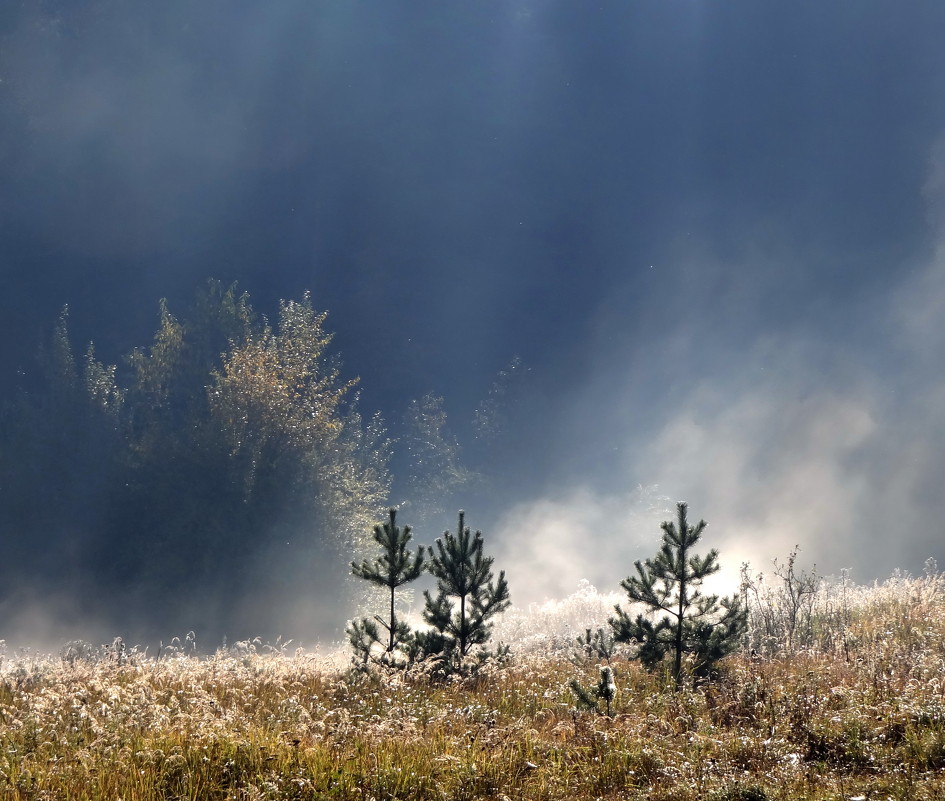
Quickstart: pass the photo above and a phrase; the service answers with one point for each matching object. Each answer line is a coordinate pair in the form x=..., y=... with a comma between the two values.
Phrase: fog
x=713, y=234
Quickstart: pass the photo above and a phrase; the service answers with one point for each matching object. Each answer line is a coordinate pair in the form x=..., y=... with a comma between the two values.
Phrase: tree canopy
x=212, y=473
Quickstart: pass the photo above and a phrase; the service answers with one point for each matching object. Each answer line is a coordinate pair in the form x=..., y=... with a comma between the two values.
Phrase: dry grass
x=860, y=718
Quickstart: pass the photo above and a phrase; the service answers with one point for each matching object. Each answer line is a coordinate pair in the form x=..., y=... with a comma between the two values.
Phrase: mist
x=712, y=235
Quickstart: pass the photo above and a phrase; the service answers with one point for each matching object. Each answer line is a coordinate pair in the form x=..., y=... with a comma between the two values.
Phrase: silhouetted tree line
x=213, y=468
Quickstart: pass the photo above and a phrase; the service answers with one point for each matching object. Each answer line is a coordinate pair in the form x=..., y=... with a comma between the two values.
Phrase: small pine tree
x=464, y=575
x=394, y=568
x=702, y=626
x=605, y=690
x=594, y=645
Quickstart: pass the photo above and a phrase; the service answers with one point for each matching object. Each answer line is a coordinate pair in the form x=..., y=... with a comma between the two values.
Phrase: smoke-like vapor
x=549, y=545
x=794, y=438
x=700, y=225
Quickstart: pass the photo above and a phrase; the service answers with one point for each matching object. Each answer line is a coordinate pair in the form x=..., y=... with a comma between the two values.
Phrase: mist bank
x=713, y=236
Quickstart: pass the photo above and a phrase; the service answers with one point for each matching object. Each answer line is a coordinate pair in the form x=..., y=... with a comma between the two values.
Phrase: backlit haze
x=713, y=233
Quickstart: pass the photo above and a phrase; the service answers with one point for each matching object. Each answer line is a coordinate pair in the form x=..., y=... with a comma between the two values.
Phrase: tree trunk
x=462, y=626
x=677, y=664
x=393, y=622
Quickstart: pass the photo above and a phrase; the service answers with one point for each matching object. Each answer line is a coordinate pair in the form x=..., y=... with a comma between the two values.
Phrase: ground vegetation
x=857, y=714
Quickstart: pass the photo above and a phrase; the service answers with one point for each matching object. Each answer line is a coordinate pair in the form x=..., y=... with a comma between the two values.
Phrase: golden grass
x=864, y=720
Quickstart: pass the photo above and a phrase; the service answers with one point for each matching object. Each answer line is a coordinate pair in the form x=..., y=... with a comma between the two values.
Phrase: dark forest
x=215, y=471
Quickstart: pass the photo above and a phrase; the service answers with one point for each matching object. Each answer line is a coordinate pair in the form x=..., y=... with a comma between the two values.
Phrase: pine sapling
x=395, y=567
x=681, y=619
x=599, y=644
x=605, y=690
x=467, y=597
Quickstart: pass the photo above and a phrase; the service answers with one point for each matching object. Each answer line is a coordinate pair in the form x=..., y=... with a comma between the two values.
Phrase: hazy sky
x=713, y=230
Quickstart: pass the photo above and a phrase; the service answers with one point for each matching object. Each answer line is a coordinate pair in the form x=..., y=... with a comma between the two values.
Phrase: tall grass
x=854, y=710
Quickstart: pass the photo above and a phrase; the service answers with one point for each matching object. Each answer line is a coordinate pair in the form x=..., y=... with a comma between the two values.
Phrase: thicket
x=218, y=477
x=163, y=482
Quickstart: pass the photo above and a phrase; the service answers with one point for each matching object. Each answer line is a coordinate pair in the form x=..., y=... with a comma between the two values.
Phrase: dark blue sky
x=711, y=229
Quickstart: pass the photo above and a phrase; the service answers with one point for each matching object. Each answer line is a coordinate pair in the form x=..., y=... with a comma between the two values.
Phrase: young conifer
x=605, y=690
x=688, y=622
x=394, y=568
x=467, y=597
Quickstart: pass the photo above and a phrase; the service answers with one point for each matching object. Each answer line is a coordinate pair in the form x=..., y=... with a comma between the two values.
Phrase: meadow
x=838, y=694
